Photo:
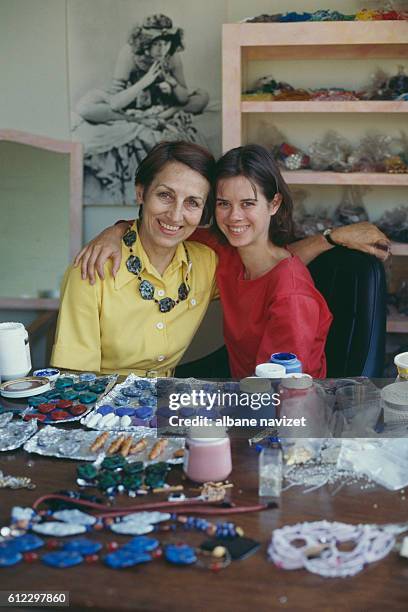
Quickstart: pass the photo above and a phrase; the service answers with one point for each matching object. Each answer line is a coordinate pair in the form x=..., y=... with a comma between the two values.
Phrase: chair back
x=353, y=284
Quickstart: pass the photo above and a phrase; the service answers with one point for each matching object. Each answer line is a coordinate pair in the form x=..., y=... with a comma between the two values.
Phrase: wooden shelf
x=310, y=177
x=29, y=304
x=399, y=248
x=314, y=106
x=397, y=323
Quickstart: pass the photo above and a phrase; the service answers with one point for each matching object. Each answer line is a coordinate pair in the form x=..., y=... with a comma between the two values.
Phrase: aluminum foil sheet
x=75, y=444
x=13, y=433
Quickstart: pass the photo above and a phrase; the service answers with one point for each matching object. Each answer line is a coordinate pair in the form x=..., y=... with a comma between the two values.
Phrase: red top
x=281, y=311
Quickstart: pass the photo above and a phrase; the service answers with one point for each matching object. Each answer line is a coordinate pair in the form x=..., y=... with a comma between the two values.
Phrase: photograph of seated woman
x=147, y=101
x=143, y=318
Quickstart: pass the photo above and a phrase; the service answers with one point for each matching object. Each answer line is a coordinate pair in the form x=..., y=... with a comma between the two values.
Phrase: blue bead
x=62, y=559
x=9, y=557
x=141, y=544
x=125, y=558
x=180, y=554
x=26, y=542
x=83, y=546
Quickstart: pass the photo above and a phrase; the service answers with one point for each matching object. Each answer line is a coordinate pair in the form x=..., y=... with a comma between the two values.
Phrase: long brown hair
x=257, y=164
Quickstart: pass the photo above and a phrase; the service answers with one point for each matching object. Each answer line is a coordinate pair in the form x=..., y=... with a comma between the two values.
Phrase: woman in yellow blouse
x=143, y=320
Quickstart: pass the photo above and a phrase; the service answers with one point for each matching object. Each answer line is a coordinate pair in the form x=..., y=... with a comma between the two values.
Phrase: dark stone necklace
x=146, y=288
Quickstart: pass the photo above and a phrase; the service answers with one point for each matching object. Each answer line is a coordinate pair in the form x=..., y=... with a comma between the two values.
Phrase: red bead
x=109, y=521
x=98, y=526
x=52, y=544
x=91, y=558
x=30, y=557
x=113, y=546
x=157, y=554
x=215, y=567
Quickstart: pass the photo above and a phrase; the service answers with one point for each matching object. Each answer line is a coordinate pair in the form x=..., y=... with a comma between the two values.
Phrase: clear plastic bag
x=385, y=461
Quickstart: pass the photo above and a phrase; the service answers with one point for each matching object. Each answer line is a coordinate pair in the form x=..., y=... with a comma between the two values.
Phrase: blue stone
x=26, y=542
x=125, y=411
x=180, y=554
x=141, y=544
x=144, y=412
x=9, y=557
x=105, y=409
x=62, y=559
x=83, y=546
x=125, y=558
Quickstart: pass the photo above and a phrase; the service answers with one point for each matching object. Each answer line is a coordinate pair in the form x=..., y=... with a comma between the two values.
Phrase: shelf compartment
x=310, y=177
x=312, y=106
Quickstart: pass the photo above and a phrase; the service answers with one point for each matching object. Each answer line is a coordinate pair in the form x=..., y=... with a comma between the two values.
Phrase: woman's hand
x=151, y=75
x=108, y=244
x=364, y=237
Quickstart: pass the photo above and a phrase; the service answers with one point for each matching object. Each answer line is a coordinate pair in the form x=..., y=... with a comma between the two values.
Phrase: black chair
x=354, y=287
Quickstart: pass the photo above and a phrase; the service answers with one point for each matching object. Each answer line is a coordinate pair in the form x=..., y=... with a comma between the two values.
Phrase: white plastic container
x=401, y=361
x=15, y=358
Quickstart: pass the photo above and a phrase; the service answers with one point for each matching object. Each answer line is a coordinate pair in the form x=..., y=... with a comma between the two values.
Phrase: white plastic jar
x=15, y=358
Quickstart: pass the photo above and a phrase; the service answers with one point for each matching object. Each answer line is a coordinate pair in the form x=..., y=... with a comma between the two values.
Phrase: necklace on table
x=146, y=288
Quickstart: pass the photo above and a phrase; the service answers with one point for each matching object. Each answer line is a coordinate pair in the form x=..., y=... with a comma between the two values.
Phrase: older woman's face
x=172, y=205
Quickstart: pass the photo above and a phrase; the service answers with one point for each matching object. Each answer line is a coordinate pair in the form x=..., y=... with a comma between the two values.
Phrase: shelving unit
x=245, y=42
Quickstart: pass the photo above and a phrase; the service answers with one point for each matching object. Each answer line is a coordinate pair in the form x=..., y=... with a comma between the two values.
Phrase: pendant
x=129, y=238
x=166, y=304
x=133, y=264
x=180, y=554
x=55, y=528
x=183, y=291
x=123, y=558
x=75, y=516
x=146, y=290
x=62, y=559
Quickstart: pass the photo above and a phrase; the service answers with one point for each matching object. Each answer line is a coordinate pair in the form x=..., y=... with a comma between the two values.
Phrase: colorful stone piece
x=113, y=463
x=78, y=409
x=87, y=377
x=166, y=304
x=125, y=558
x=131, y=528
x=87, y=471
x=83, y=546
x=134, y=468
x=125, y=411
x=129, y=238
x=62, y=559
x=180, y=554
x=59, y=415
x=130, y=392
x=142, y=384
x=105, y=409
x=80, y=386
x=132, y=482
x=73, y=515
x=58, y=529
x=64, y=382
x=69, y=395
x=183, y=291
x=141, y=544
x=146, y=290
x=107, y=479
x=54, y=394
x=26, y=543
x=36, y=400
x=96, y=388
x=87, y=397
x=64, y=404
x=9, y=557
x=46, y=408
x=144, y=412
x=133, y=264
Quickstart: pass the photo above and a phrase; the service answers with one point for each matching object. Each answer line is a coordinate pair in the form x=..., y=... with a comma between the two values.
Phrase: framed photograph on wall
x=140, y=73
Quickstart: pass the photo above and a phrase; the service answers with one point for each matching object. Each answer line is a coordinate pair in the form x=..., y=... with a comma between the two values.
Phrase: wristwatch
x=327, y=234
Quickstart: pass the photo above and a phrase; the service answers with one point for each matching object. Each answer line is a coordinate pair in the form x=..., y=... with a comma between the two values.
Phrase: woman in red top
x=269, y=300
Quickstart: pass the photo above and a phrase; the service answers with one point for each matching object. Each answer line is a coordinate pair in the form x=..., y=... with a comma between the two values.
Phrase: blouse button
x=160, y=325
x=160, y=292
x=193, y=301
x=161, y=358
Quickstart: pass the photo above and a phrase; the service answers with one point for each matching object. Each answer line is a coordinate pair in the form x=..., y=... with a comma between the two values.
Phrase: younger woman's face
x=172, y=205
x=242, y=212
x=159, y=49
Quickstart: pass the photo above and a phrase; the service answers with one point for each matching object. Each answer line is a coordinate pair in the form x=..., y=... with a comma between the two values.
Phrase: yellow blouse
x=108, y=327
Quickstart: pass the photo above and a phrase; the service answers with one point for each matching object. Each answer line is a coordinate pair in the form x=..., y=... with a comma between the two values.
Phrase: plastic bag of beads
x=351, y=208
x=384, y=461
x=371, y=153
x=330, y=153
x=394, y=223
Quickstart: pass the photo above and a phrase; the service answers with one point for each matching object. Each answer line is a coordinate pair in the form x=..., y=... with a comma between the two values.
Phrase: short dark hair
x=190, y=154
x=257, y=164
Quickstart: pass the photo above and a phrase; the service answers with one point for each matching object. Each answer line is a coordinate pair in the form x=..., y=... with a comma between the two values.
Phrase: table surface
x=253, y=582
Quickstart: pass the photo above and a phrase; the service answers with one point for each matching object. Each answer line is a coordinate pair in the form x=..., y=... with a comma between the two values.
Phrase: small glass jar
x=270, y=472
x=207, y=459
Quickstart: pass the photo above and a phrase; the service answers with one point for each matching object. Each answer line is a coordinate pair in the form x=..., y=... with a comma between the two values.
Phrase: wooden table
x=252, y=584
